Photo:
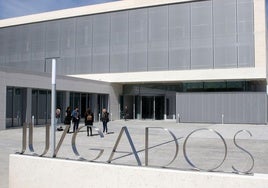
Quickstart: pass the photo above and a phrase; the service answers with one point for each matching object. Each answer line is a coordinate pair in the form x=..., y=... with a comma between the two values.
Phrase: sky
x=15, y=8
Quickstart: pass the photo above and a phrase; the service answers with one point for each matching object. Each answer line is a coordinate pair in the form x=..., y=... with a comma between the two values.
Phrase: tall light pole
x=53, y=108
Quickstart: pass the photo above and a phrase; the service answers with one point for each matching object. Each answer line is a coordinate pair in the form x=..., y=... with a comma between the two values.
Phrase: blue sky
x=14, y=8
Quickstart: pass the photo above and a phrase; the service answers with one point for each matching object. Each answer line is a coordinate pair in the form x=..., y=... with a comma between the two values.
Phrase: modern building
x=189, y=60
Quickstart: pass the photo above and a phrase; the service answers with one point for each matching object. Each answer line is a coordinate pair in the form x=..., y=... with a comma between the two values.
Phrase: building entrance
x=144, y=107
x=153, y=107
x=147, y=107
x=159, y=107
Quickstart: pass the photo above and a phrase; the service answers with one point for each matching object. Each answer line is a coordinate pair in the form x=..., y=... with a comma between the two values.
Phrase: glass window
x=197, y=86
x=16, y=108
x=214, y=85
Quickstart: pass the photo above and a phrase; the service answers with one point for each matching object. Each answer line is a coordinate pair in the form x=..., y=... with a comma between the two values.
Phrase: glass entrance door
x=147, y=107
x=159, y=107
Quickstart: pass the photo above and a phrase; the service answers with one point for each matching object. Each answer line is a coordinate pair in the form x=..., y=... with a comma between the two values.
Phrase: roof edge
x=85, y=10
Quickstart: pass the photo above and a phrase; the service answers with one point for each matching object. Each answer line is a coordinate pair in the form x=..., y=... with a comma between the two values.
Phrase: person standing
x=105, y=120
x=57, y=115
x=68, y=117
x=76, y=118
x=89, y=119
x=125, y=113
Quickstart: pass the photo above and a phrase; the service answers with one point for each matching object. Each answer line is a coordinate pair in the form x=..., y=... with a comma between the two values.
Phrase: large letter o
x=193, y=165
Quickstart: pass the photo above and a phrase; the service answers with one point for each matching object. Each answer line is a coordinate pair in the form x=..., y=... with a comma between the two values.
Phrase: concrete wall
x=260, y=33
x=32, y=172
x=2, y=100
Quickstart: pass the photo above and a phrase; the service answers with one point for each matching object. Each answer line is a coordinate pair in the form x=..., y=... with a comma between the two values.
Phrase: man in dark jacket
x=89, y=119
x=105, y=120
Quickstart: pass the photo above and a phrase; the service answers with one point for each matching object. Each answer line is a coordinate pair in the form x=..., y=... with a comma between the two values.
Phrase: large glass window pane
x=103, y=102
x=236, y=86
x=9, y=108
x=34, y=104
x=16, y=106
x=214, y=86
x=42, y=107
x=60, y=103
x=147, y=107
x=84, y=104
x=18, y=113
x=188, y=87
x=76, y=100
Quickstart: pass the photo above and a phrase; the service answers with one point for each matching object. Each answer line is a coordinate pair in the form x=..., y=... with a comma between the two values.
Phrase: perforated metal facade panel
x=52, y=39
x=245, y=30
x=84, y=42
x=158, y=38
x=225, y=34
x=209, y=107
x=179, y=37
x=101, y=43
x=201, y=35
x=138, y=40
x=119, y=42
x=194, y=35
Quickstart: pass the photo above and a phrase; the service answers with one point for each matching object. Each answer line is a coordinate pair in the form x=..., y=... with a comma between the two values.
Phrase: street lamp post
x=53, y=108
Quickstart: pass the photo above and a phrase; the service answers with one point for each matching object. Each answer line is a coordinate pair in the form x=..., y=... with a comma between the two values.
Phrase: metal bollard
x=71, y=124
x=222, y=118
x=33, y=121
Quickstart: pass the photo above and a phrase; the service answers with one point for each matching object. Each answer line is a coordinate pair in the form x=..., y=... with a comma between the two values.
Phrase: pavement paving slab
x=204, y=148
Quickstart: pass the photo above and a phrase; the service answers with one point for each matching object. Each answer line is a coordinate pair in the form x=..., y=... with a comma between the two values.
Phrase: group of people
x=74, y=117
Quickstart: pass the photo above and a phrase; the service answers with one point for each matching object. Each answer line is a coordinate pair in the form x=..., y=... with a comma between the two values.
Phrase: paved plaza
x=204, y=148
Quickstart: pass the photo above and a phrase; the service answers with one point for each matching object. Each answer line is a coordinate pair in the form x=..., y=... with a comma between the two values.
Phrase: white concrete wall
x=3, y=101
x=260, y=33
x=32, y=172
x=180, y=75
